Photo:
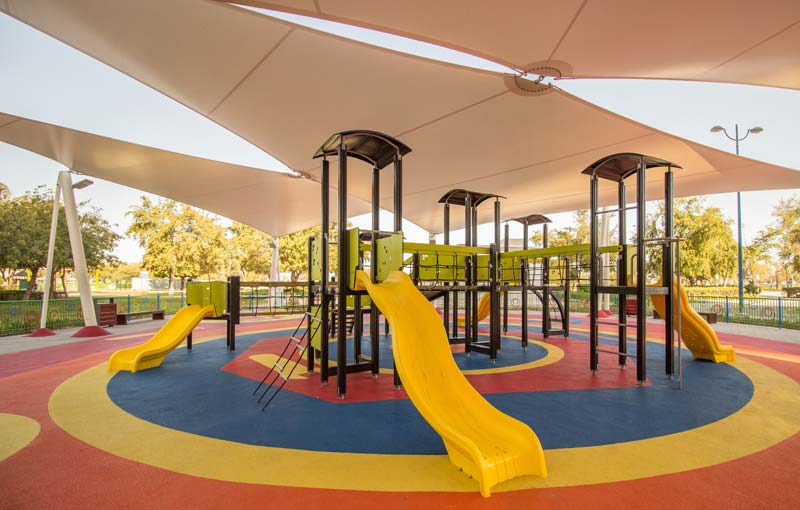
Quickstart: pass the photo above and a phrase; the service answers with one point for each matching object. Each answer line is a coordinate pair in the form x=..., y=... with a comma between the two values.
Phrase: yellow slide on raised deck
x=484, y=308
x=488, y=445
x=697, y=335
x=151, y=353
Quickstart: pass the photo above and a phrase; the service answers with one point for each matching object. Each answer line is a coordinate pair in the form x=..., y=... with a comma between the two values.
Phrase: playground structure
x=458, y=274
x=405, y=277
x=204, y=300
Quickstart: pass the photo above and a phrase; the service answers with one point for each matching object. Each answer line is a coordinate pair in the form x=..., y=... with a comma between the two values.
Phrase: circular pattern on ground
x=76, y=405
x=18, y=432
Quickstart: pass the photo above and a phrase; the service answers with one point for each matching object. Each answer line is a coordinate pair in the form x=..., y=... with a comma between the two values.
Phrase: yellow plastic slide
x=484, y=308
x=697, y=335
x=151, y=353
x=488, y=445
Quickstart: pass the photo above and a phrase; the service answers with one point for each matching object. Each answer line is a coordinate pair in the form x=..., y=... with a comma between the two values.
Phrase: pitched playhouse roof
x=287, y=88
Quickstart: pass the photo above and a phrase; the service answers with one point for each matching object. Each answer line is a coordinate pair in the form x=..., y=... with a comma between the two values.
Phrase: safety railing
x=273, y=298
x=21, y=317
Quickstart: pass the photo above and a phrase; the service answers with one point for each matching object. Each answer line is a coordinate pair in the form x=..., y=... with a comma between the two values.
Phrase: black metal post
x=374, y=330
x=310, y=306
x=343, y=277
x=523, y=274
x=494, y=269
x=566, y=297
x=502, y=281
x=234, y=309
x=494, y=302
x=446, y=241
x=325, y=272
x=641, y=275
x=667, y=274
x=546, y=287
x=398, y=222
x=467, y=274
x=593, y=252
x=622, y=275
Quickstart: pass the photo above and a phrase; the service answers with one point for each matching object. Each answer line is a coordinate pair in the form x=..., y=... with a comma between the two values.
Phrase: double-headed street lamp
x=755, y=130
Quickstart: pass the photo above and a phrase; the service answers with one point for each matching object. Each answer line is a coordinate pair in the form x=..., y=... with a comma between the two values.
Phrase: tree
x=25, y=233
x=783, y=236
x=5, y=192
x=155, y=227
x=251, y=251
x=577, y=233
x=294, y=251
x=202, y=244
x=708, y=249
x=179, y=241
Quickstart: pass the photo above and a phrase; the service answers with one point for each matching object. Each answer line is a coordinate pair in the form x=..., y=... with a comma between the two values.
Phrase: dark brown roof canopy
x=459, y=197
x=377, y=149
x=617, y=167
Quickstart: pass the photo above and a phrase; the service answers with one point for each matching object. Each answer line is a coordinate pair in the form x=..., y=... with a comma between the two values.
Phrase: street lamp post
x=737, y=139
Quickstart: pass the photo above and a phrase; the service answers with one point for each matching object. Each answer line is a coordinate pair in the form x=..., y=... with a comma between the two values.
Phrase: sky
x=46, y=80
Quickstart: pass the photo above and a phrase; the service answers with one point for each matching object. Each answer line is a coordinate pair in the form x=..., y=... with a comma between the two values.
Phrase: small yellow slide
x=151, y=353
x=488, y=445
x=484, y=308
x=697, y=335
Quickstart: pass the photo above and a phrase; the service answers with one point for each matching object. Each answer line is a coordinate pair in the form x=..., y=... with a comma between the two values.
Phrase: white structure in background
x=274, y=270
x=64, y=189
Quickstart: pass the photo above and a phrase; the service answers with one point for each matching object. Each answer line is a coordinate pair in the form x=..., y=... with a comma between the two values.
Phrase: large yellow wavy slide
x=151, y=353
x=488, y=445
x=697, y=335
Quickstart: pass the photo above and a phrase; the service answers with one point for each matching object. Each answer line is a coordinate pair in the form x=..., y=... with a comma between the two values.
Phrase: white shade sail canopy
x=269, y=201
x=733, y=41
x=286, y=88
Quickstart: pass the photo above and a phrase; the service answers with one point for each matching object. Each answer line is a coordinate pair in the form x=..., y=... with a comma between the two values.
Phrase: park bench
x=710, y=317
x=123, y=318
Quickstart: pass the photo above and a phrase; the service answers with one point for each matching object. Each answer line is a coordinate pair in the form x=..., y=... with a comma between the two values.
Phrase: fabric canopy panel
x=269, y=201
x=733, y=41
x=287, y=89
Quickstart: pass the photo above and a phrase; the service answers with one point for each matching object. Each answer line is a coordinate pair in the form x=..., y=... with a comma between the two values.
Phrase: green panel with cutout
x=208, y=293
x=316, y=259
x=316, y=329
x=390, y=255
x=354, y=260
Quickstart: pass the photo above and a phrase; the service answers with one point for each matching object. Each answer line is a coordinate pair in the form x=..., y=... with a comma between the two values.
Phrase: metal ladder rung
x=277, y=367
x=297, y=340
x=313, y=317
x=616, y=324
x=616, y=352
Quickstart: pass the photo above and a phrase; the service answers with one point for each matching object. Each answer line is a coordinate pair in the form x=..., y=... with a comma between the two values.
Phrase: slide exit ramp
x=151, y=353
x=485, y=443
x=696, y=334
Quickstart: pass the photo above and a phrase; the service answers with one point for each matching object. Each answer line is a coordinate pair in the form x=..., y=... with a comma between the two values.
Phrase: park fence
x=273, y=298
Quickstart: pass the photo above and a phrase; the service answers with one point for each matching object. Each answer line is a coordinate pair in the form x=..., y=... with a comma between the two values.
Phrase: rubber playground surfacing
x=191, y=434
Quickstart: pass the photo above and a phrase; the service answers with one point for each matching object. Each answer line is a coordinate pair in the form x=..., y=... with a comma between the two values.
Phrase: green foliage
x=294, y=251
x=251, y=250
x=179, y=241
x=577, y=233
x=709, y=249
x=25, y=232
x=783, y=236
